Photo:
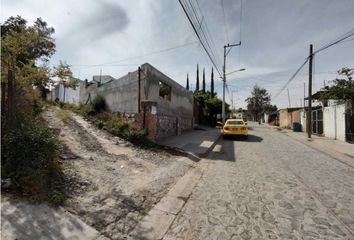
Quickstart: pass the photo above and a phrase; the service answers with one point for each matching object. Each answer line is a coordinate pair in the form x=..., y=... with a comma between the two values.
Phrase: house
x=288, y=116
x=337, y=118
x=67, y=95
x=162, y=105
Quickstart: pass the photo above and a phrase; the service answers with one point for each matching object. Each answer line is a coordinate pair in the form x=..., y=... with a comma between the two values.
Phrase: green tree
x=257, y=102
x=64, y=75
x=197, y=80
x=203, y=89
x=212, y=83
x=270, y=108
x=342, y=89
x=211, y=106
x=28, y=147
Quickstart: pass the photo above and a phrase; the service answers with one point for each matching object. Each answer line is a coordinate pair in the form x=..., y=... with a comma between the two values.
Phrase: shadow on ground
x=251, y=138
x=227, y=152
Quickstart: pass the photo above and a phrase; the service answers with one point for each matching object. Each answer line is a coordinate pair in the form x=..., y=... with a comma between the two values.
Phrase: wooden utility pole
x=309, y=110
x=304, y=95
x=289, y=98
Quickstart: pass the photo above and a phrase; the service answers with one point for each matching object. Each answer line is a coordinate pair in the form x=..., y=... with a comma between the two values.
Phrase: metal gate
x=317, y=121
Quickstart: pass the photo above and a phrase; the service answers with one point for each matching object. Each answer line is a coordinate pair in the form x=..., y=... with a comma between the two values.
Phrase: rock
x=6, y=183
x=91, y=158
x=66, y=156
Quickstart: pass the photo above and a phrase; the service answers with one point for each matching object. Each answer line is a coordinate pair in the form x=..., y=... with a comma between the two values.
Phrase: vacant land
x=110, y=184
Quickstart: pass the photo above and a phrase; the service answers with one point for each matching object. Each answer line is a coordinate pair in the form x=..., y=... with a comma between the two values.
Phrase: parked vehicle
x=235, y=127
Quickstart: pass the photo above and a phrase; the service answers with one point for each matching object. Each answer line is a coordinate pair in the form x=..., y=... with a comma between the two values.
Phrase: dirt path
x=111, y=184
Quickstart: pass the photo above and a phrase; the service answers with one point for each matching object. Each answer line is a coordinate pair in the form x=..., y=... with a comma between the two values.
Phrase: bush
x=136, y=136
x=29, y=157
x=99, y=104
x=117, y=126
x=99, y=123
x=104, y=116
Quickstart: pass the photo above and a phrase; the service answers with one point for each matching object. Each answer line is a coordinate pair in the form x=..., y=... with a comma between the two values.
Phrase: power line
x=341, y=38
x=336, y=41
x=136, y=57
x=200, y=40
x=225, y=24
x=291, y=78
x=208, y=31
x=200, y=23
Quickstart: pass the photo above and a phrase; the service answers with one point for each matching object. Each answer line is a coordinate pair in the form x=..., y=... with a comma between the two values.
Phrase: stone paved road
x=270, y=187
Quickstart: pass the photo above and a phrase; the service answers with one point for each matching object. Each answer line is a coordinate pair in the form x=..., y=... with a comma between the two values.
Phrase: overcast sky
x=275, y=36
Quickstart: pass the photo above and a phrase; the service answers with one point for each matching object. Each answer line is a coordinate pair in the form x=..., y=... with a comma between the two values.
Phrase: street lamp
x=239, y=70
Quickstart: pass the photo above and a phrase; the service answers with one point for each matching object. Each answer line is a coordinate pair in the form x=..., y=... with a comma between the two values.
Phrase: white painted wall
x=71, y=95
x=303, y=120
x=334, y=122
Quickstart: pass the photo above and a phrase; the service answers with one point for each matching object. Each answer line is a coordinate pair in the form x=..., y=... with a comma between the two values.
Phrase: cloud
x=275, y=38
x=104, y=20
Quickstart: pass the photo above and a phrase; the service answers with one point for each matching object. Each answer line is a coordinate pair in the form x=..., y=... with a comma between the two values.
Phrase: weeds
x=29, y=158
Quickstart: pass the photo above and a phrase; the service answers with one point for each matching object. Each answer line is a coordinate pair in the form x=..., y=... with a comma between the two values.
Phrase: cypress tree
x=212, y=83
x=203, y=80
x=187, y=85
x=197, y=83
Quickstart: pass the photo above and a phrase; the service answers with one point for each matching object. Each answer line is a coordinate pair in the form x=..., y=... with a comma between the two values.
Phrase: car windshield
x=234, y=123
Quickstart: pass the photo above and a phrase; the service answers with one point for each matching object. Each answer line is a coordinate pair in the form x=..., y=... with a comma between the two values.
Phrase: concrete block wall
x=181, y=103
x=122, y=94
x=334, y=122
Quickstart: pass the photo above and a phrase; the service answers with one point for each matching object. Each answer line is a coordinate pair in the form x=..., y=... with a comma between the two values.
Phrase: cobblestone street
x=269, y=187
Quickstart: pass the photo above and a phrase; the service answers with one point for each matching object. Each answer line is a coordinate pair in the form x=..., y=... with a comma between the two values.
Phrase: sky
x=115, y=37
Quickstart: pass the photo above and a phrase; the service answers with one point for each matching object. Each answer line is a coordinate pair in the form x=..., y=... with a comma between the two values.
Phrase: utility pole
x=309, y=110
x=304, y=95
x=224, y=78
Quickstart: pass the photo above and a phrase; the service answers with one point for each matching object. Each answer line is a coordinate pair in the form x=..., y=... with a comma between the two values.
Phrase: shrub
x=104, y=116
x=99, y=123
x=99, y=104
x=83, y=110
x=117, y=126
x=29, y=157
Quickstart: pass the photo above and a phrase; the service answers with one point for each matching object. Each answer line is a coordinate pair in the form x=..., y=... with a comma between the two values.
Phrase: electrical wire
x=225, y=24
x=346, y=35
x=206, y=34
x=337, y=41
x=135, y=57
x=199, y=38
x=291, y=78
x=200, y=24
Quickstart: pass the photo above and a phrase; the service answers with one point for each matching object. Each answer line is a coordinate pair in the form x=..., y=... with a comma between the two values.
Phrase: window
x=165, y=91
x=234, y=123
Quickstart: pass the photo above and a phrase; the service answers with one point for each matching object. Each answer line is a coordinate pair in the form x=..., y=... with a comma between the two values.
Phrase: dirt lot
x=111, y=184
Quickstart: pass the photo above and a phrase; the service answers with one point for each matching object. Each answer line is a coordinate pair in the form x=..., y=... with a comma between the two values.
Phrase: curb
x=203, y=155
x=339, y=156
x=194, y=156
x=159, y=219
